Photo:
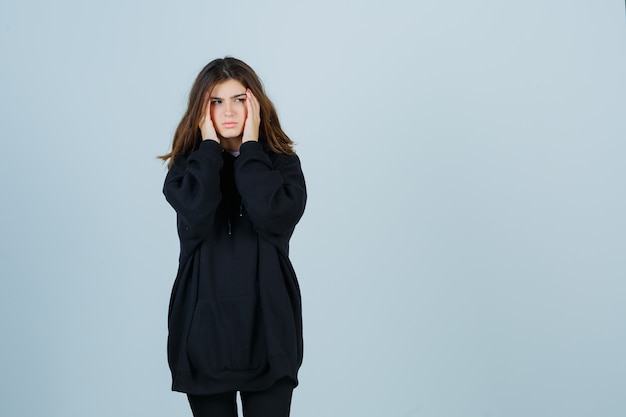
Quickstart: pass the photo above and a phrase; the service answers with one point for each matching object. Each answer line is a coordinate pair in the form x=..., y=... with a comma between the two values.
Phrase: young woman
x=237, y=188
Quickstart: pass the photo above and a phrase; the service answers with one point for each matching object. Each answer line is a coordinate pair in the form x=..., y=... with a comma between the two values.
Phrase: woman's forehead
x=228, y=88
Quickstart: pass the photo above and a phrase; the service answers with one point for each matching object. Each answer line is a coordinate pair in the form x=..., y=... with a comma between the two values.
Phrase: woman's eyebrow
x=235, y=96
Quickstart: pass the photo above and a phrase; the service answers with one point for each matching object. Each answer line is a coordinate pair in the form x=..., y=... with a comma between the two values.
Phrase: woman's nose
x=229, y=109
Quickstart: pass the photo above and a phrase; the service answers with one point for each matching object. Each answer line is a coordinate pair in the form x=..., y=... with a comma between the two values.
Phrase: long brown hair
x=188, y=137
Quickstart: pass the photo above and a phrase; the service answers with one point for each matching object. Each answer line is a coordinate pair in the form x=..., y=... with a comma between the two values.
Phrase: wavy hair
x=188, y=137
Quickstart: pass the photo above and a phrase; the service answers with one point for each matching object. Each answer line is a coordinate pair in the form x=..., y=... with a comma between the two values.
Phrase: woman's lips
x=229, y=124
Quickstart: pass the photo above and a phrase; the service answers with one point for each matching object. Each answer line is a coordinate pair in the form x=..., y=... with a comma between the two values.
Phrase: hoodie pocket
x=226, y=334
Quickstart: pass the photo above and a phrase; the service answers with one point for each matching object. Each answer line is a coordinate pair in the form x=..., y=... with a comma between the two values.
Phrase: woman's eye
x=240, y=100
x=216, y=101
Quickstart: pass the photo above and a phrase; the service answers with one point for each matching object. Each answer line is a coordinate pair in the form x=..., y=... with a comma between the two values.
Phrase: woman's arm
x=192, y=187
x=273, y=193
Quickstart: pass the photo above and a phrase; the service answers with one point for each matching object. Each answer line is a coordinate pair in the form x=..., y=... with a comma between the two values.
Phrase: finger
x=249, y=98
x=202, y=117
x=207, y=109
x=254, y=103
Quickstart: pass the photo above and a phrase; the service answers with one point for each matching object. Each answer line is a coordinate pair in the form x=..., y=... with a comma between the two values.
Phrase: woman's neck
x=231, y=144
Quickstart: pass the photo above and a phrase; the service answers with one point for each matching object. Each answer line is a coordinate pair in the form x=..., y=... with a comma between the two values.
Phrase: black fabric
x=235, y=320
x=214, y=405
x=274, y=402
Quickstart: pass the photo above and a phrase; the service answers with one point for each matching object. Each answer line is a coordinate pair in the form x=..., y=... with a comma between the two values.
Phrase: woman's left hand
x=253, y=119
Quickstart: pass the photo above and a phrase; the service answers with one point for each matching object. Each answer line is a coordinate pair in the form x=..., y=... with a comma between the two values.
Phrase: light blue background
x=462, y=253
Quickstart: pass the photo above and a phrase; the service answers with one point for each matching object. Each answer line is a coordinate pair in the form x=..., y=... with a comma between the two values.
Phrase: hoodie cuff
x=251, y=146
x=210, y=145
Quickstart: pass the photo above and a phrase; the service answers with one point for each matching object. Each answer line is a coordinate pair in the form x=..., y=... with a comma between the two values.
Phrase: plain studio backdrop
x=463, y=249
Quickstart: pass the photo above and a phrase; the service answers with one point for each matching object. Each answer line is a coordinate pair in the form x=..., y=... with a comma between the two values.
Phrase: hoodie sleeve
x=273, y=190
x=192, y=187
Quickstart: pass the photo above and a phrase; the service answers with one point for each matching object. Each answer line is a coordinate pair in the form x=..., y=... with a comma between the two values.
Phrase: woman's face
x=228, y=108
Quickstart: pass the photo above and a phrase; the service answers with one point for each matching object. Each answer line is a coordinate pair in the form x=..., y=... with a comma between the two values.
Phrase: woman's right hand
x=206, y=124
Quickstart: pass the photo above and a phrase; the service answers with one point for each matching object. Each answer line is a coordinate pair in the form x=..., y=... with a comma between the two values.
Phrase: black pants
x=274, y=402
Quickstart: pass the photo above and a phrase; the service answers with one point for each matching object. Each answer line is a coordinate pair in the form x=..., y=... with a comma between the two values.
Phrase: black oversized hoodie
x=235, y=320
